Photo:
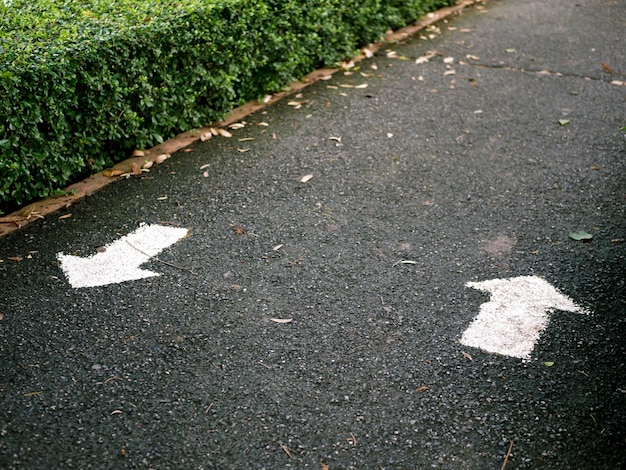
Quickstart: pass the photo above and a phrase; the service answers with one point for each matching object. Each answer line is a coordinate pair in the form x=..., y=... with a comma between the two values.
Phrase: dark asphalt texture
x=477, y=181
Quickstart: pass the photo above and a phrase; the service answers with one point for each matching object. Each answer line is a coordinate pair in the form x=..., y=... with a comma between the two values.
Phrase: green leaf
x=548, y=364
x=580, y=235
x=510, y=50
x=564, y=122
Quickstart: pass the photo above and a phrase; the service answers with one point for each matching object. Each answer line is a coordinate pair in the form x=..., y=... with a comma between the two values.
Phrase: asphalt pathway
x=313, y=313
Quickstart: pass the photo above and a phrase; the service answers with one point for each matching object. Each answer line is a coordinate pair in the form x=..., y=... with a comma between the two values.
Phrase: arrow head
x=527, y=290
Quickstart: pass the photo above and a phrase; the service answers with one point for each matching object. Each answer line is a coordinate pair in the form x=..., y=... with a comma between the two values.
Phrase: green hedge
x=83, y=83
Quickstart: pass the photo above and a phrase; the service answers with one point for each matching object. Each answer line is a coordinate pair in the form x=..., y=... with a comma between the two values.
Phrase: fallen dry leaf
x=426, y=57
x=138, y=153
x=239, y=230
x=281, y=320
x=423, y=388
x=206, y=136
x=147, y=164
x=238, y=125
x=607, y=67
x=405, y=261
x=367, y=53
x=306, y=178
x=65, y=216
x=111, y=173
x=347, y=65
x=15, y=258
x=467, y=356
x=224, y=133
x=161, y=158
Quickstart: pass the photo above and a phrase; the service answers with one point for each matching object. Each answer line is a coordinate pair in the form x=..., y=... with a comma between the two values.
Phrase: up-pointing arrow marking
x=121, y=259
x=511, y=322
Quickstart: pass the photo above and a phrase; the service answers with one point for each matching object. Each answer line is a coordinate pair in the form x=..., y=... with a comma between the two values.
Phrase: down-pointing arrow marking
x=121, y=259
x=512, y=321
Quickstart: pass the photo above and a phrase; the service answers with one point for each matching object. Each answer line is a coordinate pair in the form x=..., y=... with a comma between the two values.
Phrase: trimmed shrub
x=83, y=83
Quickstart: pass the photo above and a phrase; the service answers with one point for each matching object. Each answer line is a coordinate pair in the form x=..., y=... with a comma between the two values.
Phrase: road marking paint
x=120, y=260
x=513, y=319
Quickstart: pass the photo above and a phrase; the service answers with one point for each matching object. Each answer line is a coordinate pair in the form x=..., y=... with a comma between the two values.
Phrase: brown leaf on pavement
x=607, y=67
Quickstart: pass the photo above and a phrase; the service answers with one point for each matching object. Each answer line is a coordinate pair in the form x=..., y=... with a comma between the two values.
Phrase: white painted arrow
x=121, y=259
x=511, y=322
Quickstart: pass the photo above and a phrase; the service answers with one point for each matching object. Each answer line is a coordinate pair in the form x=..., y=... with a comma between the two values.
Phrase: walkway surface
x=391, y=270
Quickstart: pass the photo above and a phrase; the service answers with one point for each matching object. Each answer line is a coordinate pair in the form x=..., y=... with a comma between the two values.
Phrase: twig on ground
x=287, y=450
x=183, y=268
x=508, y=454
